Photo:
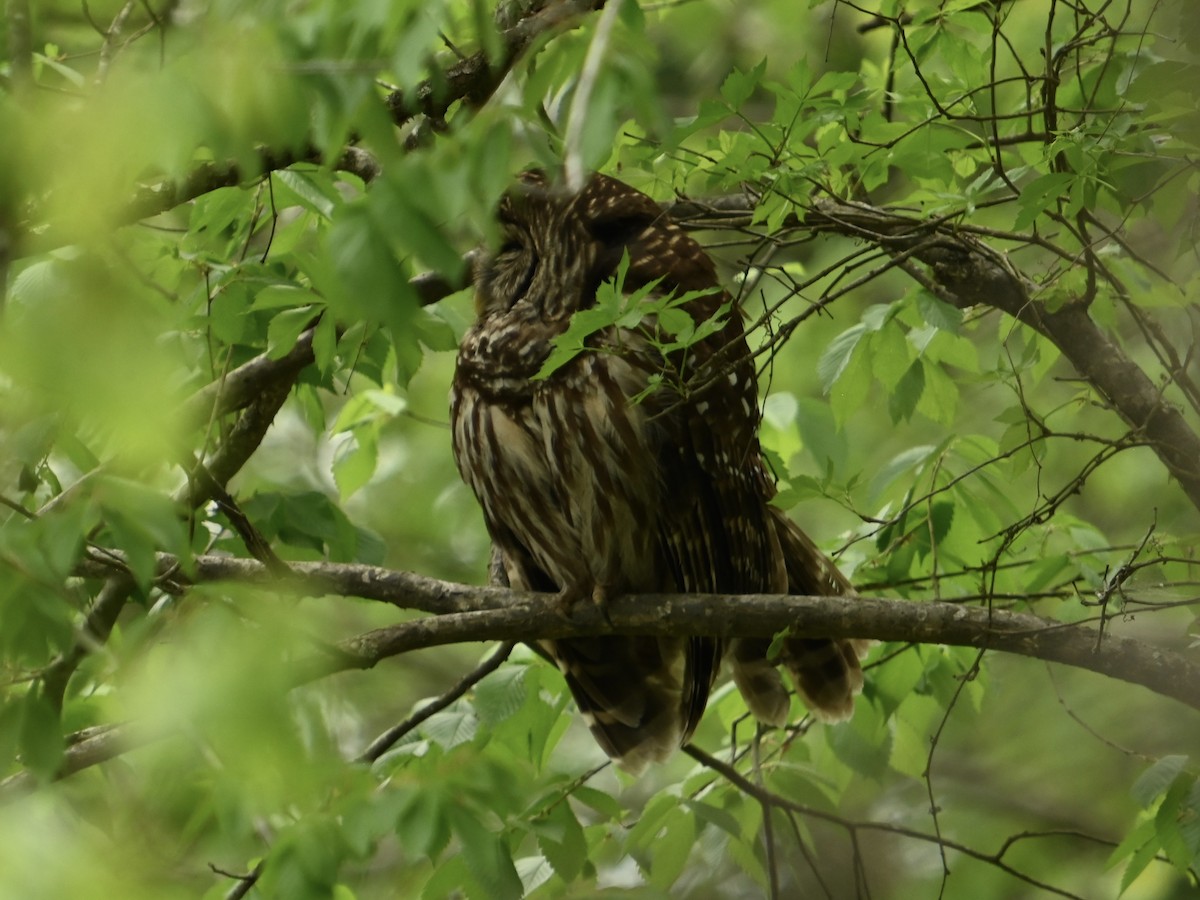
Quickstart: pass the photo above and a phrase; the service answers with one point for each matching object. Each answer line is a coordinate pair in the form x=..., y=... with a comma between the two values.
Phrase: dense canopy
x=245, y=647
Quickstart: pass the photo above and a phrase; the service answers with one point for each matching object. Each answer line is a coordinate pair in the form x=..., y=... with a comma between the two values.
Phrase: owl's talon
x=568, y=598
x=573, y=595
x=601, y=597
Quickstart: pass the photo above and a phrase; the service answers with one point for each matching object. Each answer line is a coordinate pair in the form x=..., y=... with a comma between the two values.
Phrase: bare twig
x=388, y=739
x=762, y=795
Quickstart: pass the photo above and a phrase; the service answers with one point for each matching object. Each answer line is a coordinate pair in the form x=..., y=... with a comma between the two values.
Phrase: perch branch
x=461, y=613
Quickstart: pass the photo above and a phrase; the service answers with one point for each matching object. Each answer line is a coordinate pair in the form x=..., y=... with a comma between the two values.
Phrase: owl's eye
x=509, y=245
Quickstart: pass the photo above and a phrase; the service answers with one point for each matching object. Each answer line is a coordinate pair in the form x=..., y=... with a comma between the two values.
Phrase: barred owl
x=630, y=471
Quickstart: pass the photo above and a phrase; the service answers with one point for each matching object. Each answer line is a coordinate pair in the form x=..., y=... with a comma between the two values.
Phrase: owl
x=634, y=468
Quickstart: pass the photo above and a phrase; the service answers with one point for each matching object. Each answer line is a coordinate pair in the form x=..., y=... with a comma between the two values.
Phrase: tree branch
x=461, y=613
x=86, y=749
x=974, y=273
x=474, y=79
x=971, y=273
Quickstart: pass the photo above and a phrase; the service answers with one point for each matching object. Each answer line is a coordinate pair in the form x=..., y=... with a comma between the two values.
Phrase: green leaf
x=649, y=824
x=915, y=721
x=607, y=805
x=908, y=461
x=1154, y=782
x=286, y=327
x=836, y=358
x=355, y=460
x=488, y=858
x=672, y=848
x=1137, y=838
x=1039, y=195
x=41, y=740
x=451, y=727
x=1141, y=858
x=891, y=356
x=306, y=190
x=500, y=695
x=907, y=394
x=1167, y=820
x=423, y=826
x=825, y=443
x=939, y=396
x=864, y=743
x=939, y=313
x=738, y=86
x=284, y=296
x=561, y=840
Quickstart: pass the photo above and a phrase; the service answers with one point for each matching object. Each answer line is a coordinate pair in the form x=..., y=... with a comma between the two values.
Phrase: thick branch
x=155, y=199
x=89, y=748
x=974, y=273
x=239, y=388
x=474, y=79
x=463, y=613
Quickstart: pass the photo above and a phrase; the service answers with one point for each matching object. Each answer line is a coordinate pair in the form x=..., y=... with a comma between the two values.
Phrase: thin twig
x=389, y=738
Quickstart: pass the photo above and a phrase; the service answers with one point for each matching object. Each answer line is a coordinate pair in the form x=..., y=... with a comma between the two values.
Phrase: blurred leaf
x=487, y=857
x=355, y=460
x=907, y=394
x=41, y=741
x=864, y=743
x=423, y=827
x=143, y=522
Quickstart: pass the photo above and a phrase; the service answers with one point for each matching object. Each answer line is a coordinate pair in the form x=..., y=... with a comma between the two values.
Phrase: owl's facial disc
x=508, y=274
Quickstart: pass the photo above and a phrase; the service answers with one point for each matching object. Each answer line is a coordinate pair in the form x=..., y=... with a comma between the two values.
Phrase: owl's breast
x=567, y=467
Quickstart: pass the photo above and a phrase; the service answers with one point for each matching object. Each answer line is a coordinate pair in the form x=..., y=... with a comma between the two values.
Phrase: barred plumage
x=586, y=492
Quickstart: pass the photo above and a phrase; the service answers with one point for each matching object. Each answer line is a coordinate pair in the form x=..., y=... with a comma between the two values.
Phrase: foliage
x=223, y=227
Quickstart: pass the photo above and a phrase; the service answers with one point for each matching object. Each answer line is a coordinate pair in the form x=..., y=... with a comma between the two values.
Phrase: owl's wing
x=715, y=529
x=719, y=533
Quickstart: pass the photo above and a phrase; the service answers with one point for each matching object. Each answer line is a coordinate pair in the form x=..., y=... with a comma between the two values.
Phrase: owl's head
x=556, y=247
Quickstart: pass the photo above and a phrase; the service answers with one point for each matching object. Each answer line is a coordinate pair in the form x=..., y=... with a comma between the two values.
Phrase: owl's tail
x=825, y=672
x=641, y=696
